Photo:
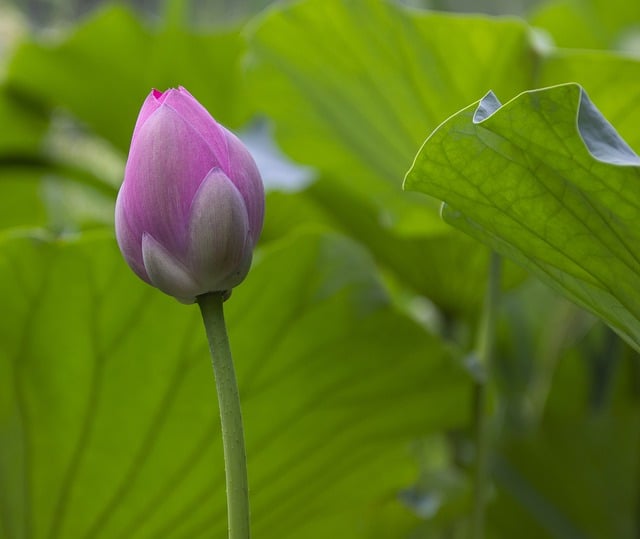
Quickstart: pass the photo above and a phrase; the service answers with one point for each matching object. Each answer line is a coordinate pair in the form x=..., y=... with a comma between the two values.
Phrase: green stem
x=235, y=461
x=486, y=346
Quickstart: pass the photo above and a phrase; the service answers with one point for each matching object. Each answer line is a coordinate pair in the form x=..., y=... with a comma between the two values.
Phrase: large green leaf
x=352, y=85
x=547, y=181
x=108, y=418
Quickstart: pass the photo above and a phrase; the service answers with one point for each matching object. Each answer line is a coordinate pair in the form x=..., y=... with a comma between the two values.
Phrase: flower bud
x=191, y=207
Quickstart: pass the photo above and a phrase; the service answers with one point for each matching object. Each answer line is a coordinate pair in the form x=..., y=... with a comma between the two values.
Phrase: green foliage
x=551, y=481
x=352, y=329
x=23, y=132
x=110, y=427
x=541, y=179
x=366, y=79
x=103, y=71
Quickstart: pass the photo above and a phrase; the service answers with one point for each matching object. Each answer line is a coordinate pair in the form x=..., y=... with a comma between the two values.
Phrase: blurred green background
x=355, y=333
x=53, y=13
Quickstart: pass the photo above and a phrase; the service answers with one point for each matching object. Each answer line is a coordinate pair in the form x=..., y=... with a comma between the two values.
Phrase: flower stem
x=235, y=460
x=485, y=350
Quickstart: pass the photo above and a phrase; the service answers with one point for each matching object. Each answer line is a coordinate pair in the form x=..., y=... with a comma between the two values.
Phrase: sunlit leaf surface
x=108, y=417
x=547, y=181
x=352, y=86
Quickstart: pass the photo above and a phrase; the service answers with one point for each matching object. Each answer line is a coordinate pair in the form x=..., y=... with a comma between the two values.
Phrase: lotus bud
x=191, y=207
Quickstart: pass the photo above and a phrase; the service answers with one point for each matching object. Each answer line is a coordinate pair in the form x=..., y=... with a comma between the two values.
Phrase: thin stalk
x=235, y=460
x=486, y=350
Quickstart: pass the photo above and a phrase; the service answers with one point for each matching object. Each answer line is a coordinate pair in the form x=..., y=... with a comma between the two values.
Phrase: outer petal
x=167, y=273
x=150, y=105
x=129, y=241
x=245, y=176
x=202, y=122
x=219, y=245
x=166, y=165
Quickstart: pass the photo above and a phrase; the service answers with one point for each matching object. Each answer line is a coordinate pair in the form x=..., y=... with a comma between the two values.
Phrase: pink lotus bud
x=191, y=206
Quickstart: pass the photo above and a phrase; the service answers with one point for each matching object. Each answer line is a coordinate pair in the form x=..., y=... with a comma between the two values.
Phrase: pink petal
x=167, y=273
x=202, y=122
x=219, y=243
x=246, y=177
x=129, y=240
x=166, y=165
